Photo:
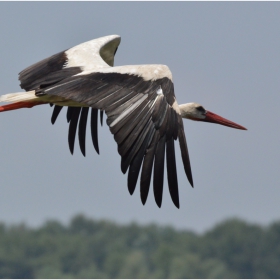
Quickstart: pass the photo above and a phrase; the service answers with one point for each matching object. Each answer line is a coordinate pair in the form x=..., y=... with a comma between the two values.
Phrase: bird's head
x=196, y=112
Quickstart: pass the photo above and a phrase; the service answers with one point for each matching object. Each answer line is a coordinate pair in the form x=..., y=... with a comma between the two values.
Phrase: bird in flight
x=139, y=101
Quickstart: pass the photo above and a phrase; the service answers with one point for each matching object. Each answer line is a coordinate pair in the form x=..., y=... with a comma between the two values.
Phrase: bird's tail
x=20, y=100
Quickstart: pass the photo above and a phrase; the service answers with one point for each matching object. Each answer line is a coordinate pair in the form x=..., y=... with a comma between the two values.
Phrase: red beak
x=213, y=118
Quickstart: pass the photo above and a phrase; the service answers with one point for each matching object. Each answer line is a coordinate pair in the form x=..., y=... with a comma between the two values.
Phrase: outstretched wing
x=98, y=53
x=139, y=101
x=144, y=119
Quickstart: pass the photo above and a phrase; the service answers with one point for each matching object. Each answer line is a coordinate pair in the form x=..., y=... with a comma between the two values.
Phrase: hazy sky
x=222, y=55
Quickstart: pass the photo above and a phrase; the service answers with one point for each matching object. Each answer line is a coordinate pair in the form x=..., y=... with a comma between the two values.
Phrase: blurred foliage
x=101, y=249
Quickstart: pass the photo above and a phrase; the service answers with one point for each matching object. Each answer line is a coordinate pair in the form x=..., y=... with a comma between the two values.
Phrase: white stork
x=139, y=101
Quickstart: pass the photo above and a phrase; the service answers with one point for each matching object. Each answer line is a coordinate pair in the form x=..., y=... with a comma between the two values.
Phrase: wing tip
x=158, y=203
x=131, y=185
x=190, y=179
x=143, y=199
x=176, y=202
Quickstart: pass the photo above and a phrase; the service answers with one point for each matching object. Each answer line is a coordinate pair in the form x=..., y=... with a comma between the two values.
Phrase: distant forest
x=100, y=249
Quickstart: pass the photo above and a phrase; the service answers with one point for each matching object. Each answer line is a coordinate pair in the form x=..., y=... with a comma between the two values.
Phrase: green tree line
x=100, y=249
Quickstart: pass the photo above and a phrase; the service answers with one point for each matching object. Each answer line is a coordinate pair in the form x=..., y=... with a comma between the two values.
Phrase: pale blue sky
x=222, y=55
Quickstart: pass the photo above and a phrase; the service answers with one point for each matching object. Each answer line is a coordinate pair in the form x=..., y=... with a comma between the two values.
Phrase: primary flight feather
x=139, y=101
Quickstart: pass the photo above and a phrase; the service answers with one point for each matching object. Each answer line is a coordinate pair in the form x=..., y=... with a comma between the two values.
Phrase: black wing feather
x=56, y=111
x=82, y=130
x=172, y=172
x=70, y=111
x=121, y=109
x=135, y=165
x=110, y=97
x=73, y=127
x=140, y=115
x=185, y=153
x=117, y=104
x=94, y=129
x=102, y=91
x=101, y=117
x=163, y=127
x=159, y=171
x=170, y=124
x=147, y=169
x=127, y=158
x=126, y=143
x=176, y=125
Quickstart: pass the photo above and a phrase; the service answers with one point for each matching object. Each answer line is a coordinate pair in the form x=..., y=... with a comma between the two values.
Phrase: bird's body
x=139, y=101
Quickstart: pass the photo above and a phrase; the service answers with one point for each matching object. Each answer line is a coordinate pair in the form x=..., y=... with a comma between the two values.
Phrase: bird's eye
x=201, y=109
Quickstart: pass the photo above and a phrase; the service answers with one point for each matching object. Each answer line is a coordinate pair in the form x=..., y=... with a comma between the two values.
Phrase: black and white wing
x=141, y=110
x=143, y=118
x=98, y=53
